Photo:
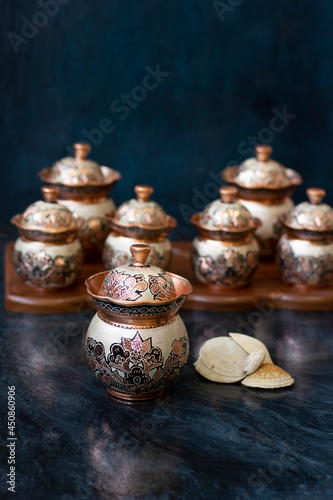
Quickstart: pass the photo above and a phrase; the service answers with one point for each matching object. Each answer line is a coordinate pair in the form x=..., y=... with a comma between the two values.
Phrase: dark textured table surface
x=202, y=441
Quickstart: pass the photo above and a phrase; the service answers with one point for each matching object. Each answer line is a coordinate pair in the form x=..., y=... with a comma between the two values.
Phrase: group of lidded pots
x=139, y=220
x=48, y=253
x=83, y=187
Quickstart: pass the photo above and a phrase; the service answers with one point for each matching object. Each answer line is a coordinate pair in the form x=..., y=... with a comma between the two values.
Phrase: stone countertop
x=202, y=441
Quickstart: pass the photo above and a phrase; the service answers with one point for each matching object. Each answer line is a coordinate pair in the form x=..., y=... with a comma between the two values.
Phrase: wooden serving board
x=265, y=292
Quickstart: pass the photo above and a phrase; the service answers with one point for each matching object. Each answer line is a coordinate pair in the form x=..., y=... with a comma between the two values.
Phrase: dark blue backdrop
x=225, y=71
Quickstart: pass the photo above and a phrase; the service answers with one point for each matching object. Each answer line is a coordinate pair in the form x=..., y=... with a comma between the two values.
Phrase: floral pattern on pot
x=114, y=258
x=40, y=269
x=229, y=216
x=304, y=269
x=160, y=288
x=48, y=216
x=123, y=286
x=136, y=366
x=147, y=213
x=311, y=217
x=229, y=269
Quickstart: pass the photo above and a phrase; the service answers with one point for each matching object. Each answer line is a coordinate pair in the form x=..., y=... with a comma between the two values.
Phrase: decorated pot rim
x=94, y=283
x=141, y=229
x=225, y=219
x=229, y=175
x=17, y=221
x=254, y=224
x=304, y=233
x=47, y=220
x=110, y=177
x=262, y=172
x=310, y=217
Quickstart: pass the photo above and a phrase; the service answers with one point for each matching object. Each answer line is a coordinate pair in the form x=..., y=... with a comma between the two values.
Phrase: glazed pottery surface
x=305, y=263
x=135, y=362
x=271, y=229
x=116, y=252
x=83, y=187
x=305, y=251
x=225, y=254
x=48, y=254
x=260, y=177
x=137, y=343
x=96, y=227
x=224, y=265
x=264, y=187
x=47, y=266
x=139, y=220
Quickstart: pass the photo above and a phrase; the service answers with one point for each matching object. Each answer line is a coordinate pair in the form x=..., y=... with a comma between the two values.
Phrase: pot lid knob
x=140, y=254
x=263, y=152
x=143, y=193
x=228, y=193
x=50, y=194
x=81, y=150
x=315, y=195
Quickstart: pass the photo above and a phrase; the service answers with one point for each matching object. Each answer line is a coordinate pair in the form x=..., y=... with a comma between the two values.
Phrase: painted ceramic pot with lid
x=139, y=220
x=264, y=188
x=137, y=343
x=225, y=254
x=305, y=250
x=48, y=253
x=83, y=187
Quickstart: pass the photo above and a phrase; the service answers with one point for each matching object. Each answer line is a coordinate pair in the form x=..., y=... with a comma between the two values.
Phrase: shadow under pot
x=305, y=250
x=139, y=220
x=83, y=187
x=137, y=344
x=226, y=253
x=48, y=254
x=264, y=188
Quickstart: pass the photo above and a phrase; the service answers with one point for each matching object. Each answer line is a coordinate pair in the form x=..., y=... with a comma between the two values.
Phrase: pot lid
x=141, y=212
x=312, y=215
x=227, y=214
x=138, y=282
x=262, y=172
x=78, y=170
x=47, y=215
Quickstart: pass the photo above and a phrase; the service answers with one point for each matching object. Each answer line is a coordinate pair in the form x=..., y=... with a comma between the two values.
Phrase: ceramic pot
x=48, y=254
x=137, y=343
x=264, y=188
x=225, y=254
x=139, y=221
x=305, y=250
x=83, y=188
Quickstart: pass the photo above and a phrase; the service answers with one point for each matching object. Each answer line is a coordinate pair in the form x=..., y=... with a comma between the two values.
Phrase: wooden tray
x=266, y=291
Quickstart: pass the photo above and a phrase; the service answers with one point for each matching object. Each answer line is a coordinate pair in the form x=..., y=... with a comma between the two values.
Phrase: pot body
x=223, y=264
x=136, y=362
x=304, y=262
x=271, y=229
x=96, y=227
x=117, y=252
x=47, y=266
